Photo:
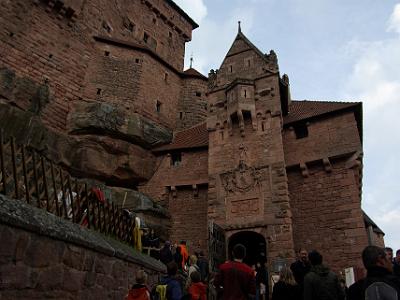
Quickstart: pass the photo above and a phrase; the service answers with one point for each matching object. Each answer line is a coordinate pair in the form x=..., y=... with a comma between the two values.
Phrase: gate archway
x=256, y=246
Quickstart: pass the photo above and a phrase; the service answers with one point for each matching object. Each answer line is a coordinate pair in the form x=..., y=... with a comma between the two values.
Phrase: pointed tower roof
x=242, y=44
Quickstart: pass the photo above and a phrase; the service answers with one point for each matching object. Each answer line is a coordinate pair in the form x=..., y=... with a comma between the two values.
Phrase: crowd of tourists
x=308, y=278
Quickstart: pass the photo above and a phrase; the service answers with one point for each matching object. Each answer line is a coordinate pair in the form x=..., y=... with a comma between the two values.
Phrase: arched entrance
x=256, y=249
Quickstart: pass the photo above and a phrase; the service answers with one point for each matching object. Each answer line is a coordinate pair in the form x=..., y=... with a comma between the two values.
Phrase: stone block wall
x=327, y=213
x=44, y=257
x=192, y=108
x=327, y=137
x=188, y=210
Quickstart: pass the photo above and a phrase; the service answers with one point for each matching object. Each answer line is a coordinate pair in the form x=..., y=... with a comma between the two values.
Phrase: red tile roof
x=300, y=110
x=194, y=73
x=197, y=136
x=194, y=137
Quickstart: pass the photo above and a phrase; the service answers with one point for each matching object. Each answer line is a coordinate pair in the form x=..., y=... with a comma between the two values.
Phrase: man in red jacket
x=236, y=278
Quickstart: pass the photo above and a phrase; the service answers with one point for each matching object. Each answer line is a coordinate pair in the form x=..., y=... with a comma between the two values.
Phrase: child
x=197, y=289
x=139, y=290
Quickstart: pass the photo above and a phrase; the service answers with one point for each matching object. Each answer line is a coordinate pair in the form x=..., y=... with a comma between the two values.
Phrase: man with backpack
x=380, y=282
x=321, y=283
x=170, y=287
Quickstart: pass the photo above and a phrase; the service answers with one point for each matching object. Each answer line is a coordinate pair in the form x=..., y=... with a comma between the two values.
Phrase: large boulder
x=114, y=161
x=108, y=119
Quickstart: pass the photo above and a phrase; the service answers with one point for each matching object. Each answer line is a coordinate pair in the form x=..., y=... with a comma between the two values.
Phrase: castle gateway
x=231, y=156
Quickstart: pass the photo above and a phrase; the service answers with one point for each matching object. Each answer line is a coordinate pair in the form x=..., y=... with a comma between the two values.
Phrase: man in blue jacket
x=174, y=286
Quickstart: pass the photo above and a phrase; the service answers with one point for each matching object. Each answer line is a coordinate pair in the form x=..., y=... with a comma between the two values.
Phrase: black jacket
x=374, y=275
x=284, y=291
x=322, y=284
x=299, y=270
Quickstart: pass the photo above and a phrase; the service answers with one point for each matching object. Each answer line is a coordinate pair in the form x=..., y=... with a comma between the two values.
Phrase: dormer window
x=301, y=130
x=176, y=159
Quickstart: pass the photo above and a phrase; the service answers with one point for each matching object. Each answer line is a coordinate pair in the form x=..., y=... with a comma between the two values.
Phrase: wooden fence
x=27, y=175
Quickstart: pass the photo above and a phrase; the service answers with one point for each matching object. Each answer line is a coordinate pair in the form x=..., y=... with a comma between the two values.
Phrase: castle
x=231, y=156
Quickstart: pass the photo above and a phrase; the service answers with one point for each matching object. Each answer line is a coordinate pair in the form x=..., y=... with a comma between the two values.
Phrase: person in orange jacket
x=197, y=289
x=139, y=290
x=184, y=253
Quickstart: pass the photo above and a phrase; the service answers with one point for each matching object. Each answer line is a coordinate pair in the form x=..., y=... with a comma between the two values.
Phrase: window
x=154, y=21
x=145, y=37
x=107, y=53
x=170, y=34
x=165, y=76
x=158, y=106
x=98, y=91
x=231, y=69
x=198, y=94
x=180, y=115
x=245, y=93
x=301, y=130
x=176, y=159
x=248, y=63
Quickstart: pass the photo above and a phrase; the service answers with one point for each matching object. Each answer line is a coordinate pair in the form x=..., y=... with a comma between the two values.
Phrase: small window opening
x=262, y=126
x=98, y=91
x=245, y=93
x=154, y=21
x=176, y=159
x=198, y=94
x=231, y=69
x=11, y=34
x=222, y=135
x=170, y=34
x=248, y=63
x=180, y=115
x=301, y=130
x=158, y=106
x=131, y=27
x=165, y=76
x=50, y=55
x=137, y=60
x=145, y=37
x=107, y=53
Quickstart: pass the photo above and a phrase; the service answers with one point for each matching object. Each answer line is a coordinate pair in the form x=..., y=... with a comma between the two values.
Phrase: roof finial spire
x=191, y=60
x=239, y=27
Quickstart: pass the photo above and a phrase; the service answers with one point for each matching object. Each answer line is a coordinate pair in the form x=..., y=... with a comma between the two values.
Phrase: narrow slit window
x=145, y=37
x=245, y=93
x=176, y=159
x=158, y=106
x=231, y=68
x=301, y=131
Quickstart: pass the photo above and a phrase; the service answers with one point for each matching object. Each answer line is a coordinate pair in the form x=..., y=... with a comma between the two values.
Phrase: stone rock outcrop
x=23, y=92
x=107, y=119
x=116, y=162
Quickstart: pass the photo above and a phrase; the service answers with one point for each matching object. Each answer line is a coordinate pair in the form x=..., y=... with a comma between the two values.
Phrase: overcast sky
x=339, y=50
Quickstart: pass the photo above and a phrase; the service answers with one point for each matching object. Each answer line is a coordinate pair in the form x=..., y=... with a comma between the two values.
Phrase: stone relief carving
x=243, y=178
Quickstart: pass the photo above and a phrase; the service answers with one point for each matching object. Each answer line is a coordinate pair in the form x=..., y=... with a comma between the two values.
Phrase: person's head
x=398, y=256
x=302, y=254
x=141, y=277
x=374, y=256
x=195, y=277
x=192, y=260
x=315, y=258
x=389, y=253
x=178, y=250
x=183, y=242
x=239, y=251
x=286, y=276
x=167, y=244
x=201, y=253
x=172, y=268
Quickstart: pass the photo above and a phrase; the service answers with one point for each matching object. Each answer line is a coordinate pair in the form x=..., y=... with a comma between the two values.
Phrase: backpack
x=141, y=294
x=380, y=291
x=159, y=292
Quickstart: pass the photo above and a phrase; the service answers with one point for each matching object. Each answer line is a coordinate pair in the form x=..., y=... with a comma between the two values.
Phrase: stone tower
x=248, y=186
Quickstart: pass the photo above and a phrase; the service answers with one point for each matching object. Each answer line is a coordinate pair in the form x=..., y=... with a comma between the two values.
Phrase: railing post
x=26, y=181
x=35, y=176
x=46, y=191
x=71, y=195
x=54, y=188
x=88, y=214
x=3, y=167
x=14, y=167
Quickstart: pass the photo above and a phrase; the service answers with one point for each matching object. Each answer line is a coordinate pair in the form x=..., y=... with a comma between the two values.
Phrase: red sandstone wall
x=55, y=45
x=37, y=267
x=192, y=108
x=327, y=137
x=193, y=169
x=327, y=213
x=189, y=218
